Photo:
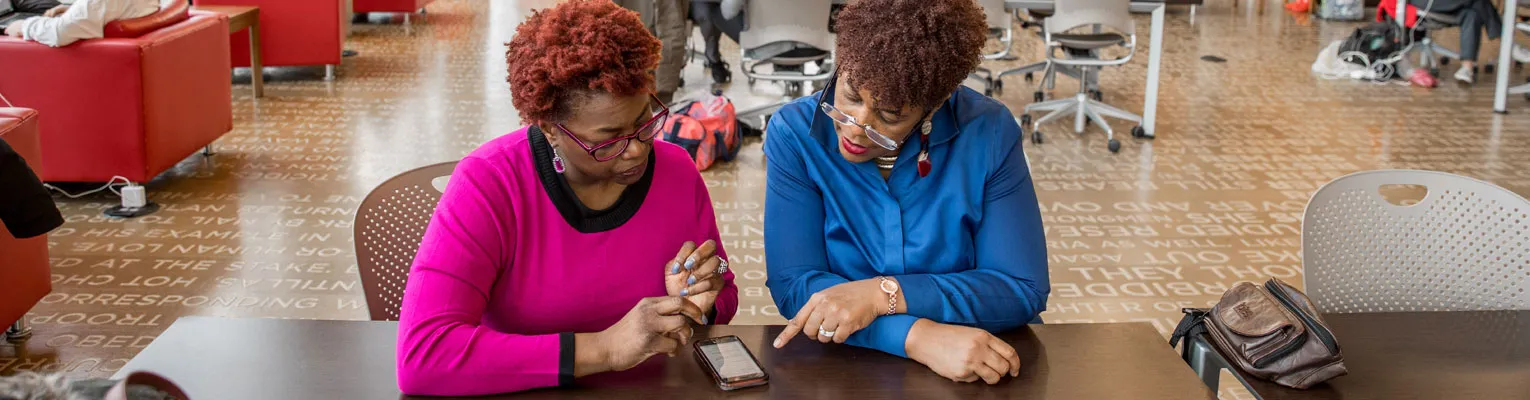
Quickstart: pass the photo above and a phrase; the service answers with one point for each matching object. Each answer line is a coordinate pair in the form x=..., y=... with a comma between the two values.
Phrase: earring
x=557, y=161
x=924, y=147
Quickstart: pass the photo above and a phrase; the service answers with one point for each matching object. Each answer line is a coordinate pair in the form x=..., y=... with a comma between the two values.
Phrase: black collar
x=581, y=218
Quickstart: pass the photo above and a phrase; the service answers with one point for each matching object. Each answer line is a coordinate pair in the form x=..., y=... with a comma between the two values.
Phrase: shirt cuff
x=22, y=25
x=566, y=359
x=889, y=333
x=920, y=296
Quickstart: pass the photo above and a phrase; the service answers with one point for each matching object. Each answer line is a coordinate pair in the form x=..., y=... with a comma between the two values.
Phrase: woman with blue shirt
x=899, y=211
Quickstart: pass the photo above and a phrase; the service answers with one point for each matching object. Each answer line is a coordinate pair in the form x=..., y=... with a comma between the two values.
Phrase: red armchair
x=24, y=269
x=132, y=107
x=393, y=6
x=292, y=32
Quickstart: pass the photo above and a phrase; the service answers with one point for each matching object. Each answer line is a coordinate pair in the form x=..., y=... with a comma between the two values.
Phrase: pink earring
x=557, y=161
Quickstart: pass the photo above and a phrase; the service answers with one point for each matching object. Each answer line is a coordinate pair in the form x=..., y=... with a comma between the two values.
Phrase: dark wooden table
x=241, y=18
x=1429, y=355
x=238, y=359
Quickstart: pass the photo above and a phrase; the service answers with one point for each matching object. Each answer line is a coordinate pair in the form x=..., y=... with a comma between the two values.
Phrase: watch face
x=889, y=286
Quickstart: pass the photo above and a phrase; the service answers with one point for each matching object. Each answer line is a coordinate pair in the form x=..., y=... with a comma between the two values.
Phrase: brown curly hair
x=575, y=48
x=914, y=52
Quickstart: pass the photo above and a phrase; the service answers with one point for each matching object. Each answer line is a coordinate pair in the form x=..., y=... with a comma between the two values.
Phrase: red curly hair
x=563, y=53
x=912, y=52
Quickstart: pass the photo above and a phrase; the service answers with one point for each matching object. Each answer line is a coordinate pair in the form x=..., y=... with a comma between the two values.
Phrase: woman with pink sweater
x=573, y=246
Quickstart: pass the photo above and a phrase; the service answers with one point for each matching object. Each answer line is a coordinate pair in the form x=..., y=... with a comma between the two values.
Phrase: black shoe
x=720, y=72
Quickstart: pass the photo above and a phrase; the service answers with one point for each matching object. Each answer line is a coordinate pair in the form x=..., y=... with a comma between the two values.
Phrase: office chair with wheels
x=1082, y=50
x=999, y=27
x=1029, y=19
x=1465, y=246
x=790, y=37
x=389, y=225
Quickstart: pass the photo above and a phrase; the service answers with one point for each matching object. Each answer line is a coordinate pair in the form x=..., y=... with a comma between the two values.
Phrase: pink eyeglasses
x=610, y=149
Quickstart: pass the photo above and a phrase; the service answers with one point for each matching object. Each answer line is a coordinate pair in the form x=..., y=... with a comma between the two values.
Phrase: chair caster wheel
x=1435, y=72
x=1138, y=132
x=751, y=81
x=1040, y=97
x=1444, y=61
x=1114, y=145
x=1037, y=138
x=1490, y=68
x=1030, y=77
x=988, y=92
x=1097, y=95
x=998, y=84
x=1025, y=121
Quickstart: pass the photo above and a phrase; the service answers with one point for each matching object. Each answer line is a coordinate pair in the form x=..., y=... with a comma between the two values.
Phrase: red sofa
x=292, y=32
x=24, y=269
x=392, y=6
x=130, y=107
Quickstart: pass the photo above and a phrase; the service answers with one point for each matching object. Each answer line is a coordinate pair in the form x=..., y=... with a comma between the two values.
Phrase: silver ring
x=824, y=333
x=722, y=268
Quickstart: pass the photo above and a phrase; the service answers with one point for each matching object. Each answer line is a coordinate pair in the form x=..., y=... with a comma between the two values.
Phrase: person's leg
x=706, y=15
x=672, y=27
x=34, y=6
x=1471, y=35
x=1471, y=40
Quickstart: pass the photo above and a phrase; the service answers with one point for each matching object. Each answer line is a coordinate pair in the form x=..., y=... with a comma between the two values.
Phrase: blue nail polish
x=676, y=269
x=685, y=292
x=691, y=281
x=689, y=262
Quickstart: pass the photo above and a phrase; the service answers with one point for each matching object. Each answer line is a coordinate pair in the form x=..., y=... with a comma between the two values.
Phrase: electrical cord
x=110, y=185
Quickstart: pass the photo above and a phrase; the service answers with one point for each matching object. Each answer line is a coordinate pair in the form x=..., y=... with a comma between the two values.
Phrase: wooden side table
x=241, y=18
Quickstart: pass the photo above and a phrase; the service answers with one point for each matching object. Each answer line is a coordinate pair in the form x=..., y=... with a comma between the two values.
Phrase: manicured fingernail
x=778, y=343
x=676, y=269
x=690, y=262
x=685, y=292
x=691, y=281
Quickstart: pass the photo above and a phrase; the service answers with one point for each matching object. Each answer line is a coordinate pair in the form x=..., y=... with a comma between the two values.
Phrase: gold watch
x=890, y=287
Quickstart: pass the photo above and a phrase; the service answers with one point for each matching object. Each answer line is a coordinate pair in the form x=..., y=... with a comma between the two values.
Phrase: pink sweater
x=504, y=277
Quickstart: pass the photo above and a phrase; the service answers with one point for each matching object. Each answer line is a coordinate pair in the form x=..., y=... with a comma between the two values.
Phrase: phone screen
x=731, y=359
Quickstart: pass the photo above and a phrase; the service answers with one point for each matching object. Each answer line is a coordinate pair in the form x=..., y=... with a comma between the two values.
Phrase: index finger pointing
x=794, y=326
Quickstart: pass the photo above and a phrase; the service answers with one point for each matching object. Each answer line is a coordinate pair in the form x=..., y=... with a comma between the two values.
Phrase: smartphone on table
x=730, y=363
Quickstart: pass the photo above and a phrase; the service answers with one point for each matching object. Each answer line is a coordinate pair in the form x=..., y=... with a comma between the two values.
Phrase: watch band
x=892, y=296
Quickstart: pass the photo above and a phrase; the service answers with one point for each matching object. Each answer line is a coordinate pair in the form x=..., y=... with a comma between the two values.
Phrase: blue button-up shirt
x=965, y=242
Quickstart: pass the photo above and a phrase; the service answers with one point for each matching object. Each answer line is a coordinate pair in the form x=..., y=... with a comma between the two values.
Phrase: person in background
x=573, y=246
x=667, y=20
x=46, y=7
x=899, y=211
x=1475, y=15
x=26, y=208
x=717, y=18
x=76, y=20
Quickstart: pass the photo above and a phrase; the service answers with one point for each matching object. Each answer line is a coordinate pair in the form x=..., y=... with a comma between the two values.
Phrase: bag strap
x=150, y=379
x=1194, y=318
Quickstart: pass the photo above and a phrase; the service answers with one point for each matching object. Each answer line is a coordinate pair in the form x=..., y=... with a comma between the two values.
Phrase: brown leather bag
x=1268, y=331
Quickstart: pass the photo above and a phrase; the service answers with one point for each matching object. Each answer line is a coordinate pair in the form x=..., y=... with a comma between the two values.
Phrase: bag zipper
x=1287, y=349
x=1322, y=333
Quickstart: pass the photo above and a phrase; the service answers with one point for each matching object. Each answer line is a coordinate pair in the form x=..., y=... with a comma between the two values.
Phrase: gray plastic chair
x=1464, y=247
x=785, y=33
x=1067, y=47
x=389, y=226
x=999, y=27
